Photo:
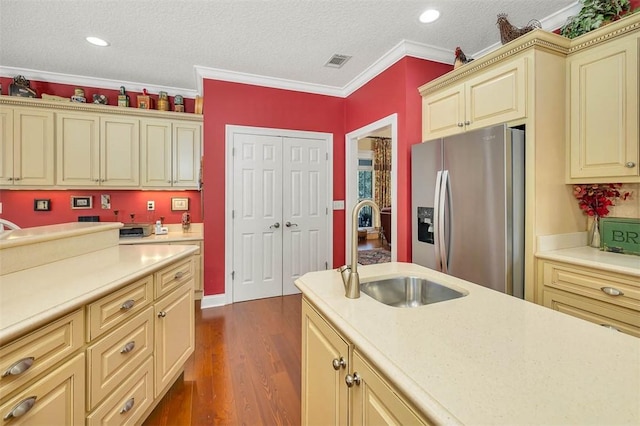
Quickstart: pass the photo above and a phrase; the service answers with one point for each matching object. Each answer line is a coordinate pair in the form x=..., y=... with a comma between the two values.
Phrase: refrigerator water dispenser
x=425, y=224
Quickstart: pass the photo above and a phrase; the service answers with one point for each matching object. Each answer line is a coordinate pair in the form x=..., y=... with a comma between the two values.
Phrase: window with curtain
x=366, y=184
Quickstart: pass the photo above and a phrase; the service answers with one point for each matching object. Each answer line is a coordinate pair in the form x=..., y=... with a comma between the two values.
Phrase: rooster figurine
x=510, y=32
x=461, y=59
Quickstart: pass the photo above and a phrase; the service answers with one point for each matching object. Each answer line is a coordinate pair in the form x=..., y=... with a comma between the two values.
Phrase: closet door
x=304, y=209
x=257, y=211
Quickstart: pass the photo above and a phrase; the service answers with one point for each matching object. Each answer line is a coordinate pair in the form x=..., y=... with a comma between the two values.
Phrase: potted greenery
x=594, y=14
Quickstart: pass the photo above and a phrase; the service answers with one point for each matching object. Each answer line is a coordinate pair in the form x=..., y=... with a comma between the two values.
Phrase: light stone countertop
x=36, y=234
x=36, y=296
x=487, y=358
x=594, y=258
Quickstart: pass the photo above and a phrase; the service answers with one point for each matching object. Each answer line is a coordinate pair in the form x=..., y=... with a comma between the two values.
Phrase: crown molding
x=261, y=80
x=79, y=80
x=399, y=51
x=550, y=23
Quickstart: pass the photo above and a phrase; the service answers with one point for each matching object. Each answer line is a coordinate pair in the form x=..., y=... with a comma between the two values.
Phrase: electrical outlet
x=151, y=205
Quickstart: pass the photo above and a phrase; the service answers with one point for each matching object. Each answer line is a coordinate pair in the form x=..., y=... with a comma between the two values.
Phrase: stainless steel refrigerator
x=467, y=196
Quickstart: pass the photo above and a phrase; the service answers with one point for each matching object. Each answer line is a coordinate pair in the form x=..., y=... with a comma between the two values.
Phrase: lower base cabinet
x=340, y=386
x=108, y=363
x=609, y=299
x=56, y=398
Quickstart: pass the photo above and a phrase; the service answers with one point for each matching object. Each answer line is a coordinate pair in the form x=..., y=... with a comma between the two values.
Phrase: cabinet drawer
x=114, y=358
x=46, y=346
x=174, y=276
x=604, y=314
x=594, y=284
x=117, y=307
x=59, y=398
x=129, y=401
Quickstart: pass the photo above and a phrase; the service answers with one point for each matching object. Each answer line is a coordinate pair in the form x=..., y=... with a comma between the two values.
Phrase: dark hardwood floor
x=245, y=369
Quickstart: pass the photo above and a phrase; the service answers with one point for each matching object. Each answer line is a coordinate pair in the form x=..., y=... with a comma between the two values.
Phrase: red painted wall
x=17, y=206
x=396, y=91
x=247, y=105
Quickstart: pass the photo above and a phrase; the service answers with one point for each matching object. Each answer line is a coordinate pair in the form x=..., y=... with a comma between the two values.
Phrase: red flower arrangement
x=595, y=199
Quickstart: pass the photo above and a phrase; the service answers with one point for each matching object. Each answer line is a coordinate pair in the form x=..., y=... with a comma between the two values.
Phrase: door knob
x=630, y=164
x=275, y=225
x=289, y=224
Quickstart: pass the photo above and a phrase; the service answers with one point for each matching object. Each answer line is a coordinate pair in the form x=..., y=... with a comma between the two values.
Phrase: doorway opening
x=370, y=174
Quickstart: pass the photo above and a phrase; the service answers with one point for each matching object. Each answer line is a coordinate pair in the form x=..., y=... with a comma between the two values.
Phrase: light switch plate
x=338, y=204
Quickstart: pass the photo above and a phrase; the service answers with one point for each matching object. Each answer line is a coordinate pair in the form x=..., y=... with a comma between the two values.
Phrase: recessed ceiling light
x=429, y=16
x=97, y=41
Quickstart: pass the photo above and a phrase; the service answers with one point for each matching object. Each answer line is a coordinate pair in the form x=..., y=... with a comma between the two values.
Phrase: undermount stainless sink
x=408, y=292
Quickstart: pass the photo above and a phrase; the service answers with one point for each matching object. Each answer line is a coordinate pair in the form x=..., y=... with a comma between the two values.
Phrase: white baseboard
x=213, y=301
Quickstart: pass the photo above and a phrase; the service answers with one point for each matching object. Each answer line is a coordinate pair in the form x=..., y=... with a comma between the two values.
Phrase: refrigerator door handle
x=445, y=195
x=436, y=220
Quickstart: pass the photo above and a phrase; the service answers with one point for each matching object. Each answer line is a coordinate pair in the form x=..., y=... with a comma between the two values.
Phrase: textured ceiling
x=160, y=42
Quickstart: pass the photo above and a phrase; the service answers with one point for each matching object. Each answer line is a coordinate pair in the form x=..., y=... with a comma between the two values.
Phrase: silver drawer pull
x=128, y=305
x=610, y=327
x=178, y=275
x=19, y=367
x=21, y=408
x=611, y=291
x=128, y=347
x=127, y=406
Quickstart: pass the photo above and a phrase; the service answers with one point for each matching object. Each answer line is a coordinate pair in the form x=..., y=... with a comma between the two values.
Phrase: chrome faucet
x=350, y=277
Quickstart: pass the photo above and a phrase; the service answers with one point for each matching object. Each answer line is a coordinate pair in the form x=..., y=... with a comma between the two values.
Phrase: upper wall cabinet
x=170, y=154
x=97, y=146
x=602, y=103
x=495, y=96
x=94, y=150
x=26, y=147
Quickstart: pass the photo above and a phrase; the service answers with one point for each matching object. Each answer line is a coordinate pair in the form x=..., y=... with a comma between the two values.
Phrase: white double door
x=280, y=210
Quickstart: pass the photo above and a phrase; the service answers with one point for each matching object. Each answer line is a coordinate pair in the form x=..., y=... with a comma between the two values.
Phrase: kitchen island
x=485, y=358
x=91, y=332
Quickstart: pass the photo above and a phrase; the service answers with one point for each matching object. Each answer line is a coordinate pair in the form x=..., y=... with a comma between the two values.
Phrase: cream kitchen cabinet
x=374, y=400
x=97, y=150
x=170, y=154
x=43, y=375
x=325, y=362
x=608, y=299
x=26, y=147
x=603, y=108
x=339, y=386
x=494, y=96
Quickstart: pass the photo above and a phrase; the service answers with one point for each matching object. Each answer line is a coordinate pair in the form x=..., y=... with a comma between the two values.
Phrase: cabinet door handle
x=128, y=347
x=21, y=408
x=127, y=405
x=466, y=123
x=610, y=327
x=612, y=291
x=162, y=314
x=339, y=363
x=351, y=380
x=18, y=178
x=630, y=164
x=10, y=179
x=178, y=275
x=127, y=305
x=460, y=124
x=19, y=367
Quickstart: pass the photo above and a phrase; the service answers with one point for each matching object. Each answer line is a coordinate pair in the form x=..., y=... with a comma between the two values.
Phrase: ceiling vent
x=337, y=61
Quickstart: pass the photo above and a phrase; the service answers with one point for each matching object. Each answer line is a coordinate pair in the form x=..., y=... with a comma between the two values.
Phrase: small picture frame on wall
x=180, y=204
x=78, y=202
x=41, y=205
